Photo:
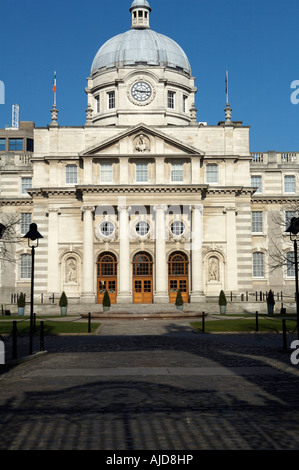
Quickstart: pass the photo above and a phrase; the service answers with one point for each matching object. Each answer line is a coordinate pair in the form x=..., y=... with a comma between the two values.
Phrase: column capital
x=160, y=207
x=88, y=208
x=53, y=210
x=196, y=207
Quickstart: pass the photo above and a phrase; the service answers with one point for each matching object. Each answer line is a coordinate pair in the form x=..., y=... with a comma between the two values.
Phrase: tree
x=9, y=236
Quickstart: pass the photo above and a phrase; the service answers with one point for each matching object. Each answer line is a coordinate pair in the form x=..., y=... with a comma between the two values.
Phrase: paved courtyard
x=153, y=385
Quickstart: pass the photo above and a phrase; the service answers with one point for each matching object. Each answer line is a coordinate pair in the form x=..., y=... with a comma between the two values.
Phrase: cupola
x=140, y=10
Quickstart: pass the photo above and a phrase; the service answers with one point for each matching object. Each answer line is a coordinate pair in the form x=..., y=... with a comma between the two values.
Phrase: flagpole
x=226, y=81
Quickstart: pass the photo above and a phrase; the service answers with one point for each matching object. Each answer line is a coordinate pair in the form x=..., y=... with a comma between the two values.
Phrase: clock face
x=141, y=91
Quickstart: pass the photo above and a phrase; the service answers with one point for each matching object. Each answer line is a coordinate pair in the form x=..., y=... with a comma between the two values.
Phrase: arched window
x=107, y=265
x=142, y=265
x=178, y=265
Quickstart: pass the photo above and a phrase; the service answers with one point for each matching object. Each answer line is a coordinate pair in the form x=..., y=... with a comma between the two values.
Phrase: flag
x=54, y=84
x=226, y=85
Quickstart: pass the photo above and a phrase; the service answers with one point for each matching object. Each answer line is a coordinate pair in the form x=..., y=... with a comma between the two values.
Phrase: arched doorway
x=142, y=278
x=107, y=277
x=178, y=276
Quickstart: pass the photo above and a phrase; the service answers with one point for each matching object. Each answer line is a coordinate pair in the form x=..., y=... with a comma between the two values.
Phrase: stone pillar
x=161, y=291
x=231, y=280
x=88, y=294
x=124, y=294
x=197, y=292
x=53, y=237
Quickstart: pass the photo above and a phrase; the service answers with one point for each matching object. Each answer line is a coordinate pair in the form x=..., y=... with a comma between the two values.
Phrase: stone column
x=124, y=294
x=197, y=292
x=88, y=293
x=53, y=237
x=231, y=281
x=161, y=291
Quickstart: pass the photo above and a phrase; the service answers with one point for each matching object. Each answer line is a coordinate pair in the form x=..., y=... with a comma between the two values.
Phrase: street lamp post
x=293, y=229
x=33, y=236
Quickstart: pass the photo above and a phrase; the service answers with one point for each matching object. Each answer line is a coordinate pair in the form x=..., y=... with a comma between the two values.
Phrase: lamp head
x=33, y=234
x=294, y=227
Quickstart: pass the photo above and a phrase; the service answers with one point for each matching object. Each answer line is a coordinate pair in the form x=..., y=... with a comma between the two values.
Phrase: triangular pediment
x=140, y=140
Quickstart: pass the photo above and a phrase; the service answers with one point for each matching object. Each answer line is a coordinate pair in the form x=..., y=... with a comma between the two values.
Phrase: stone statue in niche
x=71, y=270
x=142, y=144
x=213, y=269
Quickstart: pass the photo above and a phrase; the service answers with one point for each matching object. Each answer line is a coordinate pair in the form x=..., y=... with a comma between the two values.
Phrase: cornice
x=274, y=199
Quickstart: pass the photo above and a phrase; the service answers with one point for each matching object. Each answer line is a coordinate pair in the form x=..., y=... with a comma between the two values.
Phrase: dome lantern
x=140, y=10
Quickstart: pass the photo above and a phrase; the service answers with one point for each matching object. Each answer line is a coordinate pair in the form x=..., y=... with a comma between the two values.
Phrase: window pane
x=212, y=173
x=290, y=264
x=257, y=222
x=177, y=228
x=29, y=145
x=142, y=228
x=106, y=173
x=107, y=229
x=288, y=217
x=111, y=100
x=71, y=174
x=15, y=144
x=289, y=184
x=25, y=222
x=141, y=172
x=258, y=265
x=2, y=144
x=25, y=266
x=256, y=182
x=26, y=184
x=177, y=172
x=170, y=99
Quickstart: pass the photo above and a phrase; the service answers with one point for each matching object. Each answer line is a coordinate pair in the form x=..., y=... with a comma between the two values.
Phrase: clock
x=141, y=91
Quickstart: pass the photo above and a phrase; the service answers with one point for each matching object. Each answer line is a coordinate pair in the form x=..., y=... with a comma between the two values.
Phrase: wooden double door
x=142, y=278
x=178, y=276
x=107, y=277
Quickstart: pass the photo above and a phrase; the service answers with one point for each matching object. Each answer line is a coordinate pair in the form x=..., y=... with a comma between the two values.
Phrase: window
x=25, y=267
x=107, y=229
x=71, y=174
x=177, y=172
x=141, y=172
x=26, y=219
x=290, y=264
x=289, y=184
x=29, y=145
x=97, y=104
x=111, y=100
x=257, y=222
x=142, y=228
x=26, y=184
x=258, y=264
x=177, y=228
x=2, y=144
x=106, y=173
x=212, y=173
x=171, y=99
x=256, y=182
x=184, y=103
x=15, y=144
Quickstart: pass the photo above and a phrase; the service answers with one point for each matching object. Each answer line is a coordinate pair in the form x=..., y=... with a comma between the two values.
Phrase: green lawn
x=245, y=325
x=50, y=326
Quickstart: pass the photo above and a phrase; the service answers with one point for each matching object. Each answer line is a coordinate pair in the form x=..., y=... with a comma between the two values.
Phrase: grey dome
x=140, y=3
x=140, y=47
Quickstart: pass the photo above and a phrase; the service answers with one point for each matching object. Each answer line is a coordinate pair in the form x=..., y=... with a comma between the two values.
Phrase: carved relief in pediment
x=141, y=143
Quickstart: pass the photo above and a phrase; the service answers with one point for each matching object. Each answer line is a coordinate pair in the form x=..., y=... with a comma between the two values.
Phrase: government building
x=145, y=199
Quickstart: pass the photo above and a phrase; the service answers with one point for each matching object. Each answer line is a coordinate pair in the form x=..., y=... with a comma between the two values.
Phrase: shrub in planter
x=63, y=303
x=179, y=300
x=106, y=301
x=270, y=302
x=222, y=302
x=21, y=304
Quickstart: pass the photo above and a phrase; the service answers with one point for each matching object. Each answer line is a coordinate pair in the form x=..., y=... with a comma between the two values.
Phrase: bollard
x=203, y=322
x=14, y=340
x=256, y=321
x=89, y=325
x=284, y=334
x=41, y=337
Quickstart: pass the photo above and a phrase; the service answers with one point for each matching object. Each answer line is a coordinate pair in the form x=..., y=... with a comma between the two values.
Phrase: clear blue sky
x=257, y=41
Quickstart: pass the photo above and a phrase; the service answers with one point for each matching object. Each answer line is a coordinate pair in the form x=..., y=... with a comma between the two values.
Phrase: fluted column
x=53, y=234
x=88, y=292
x=231, y=281
x=124, y=294
x=197, y=292
x=161, y=291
